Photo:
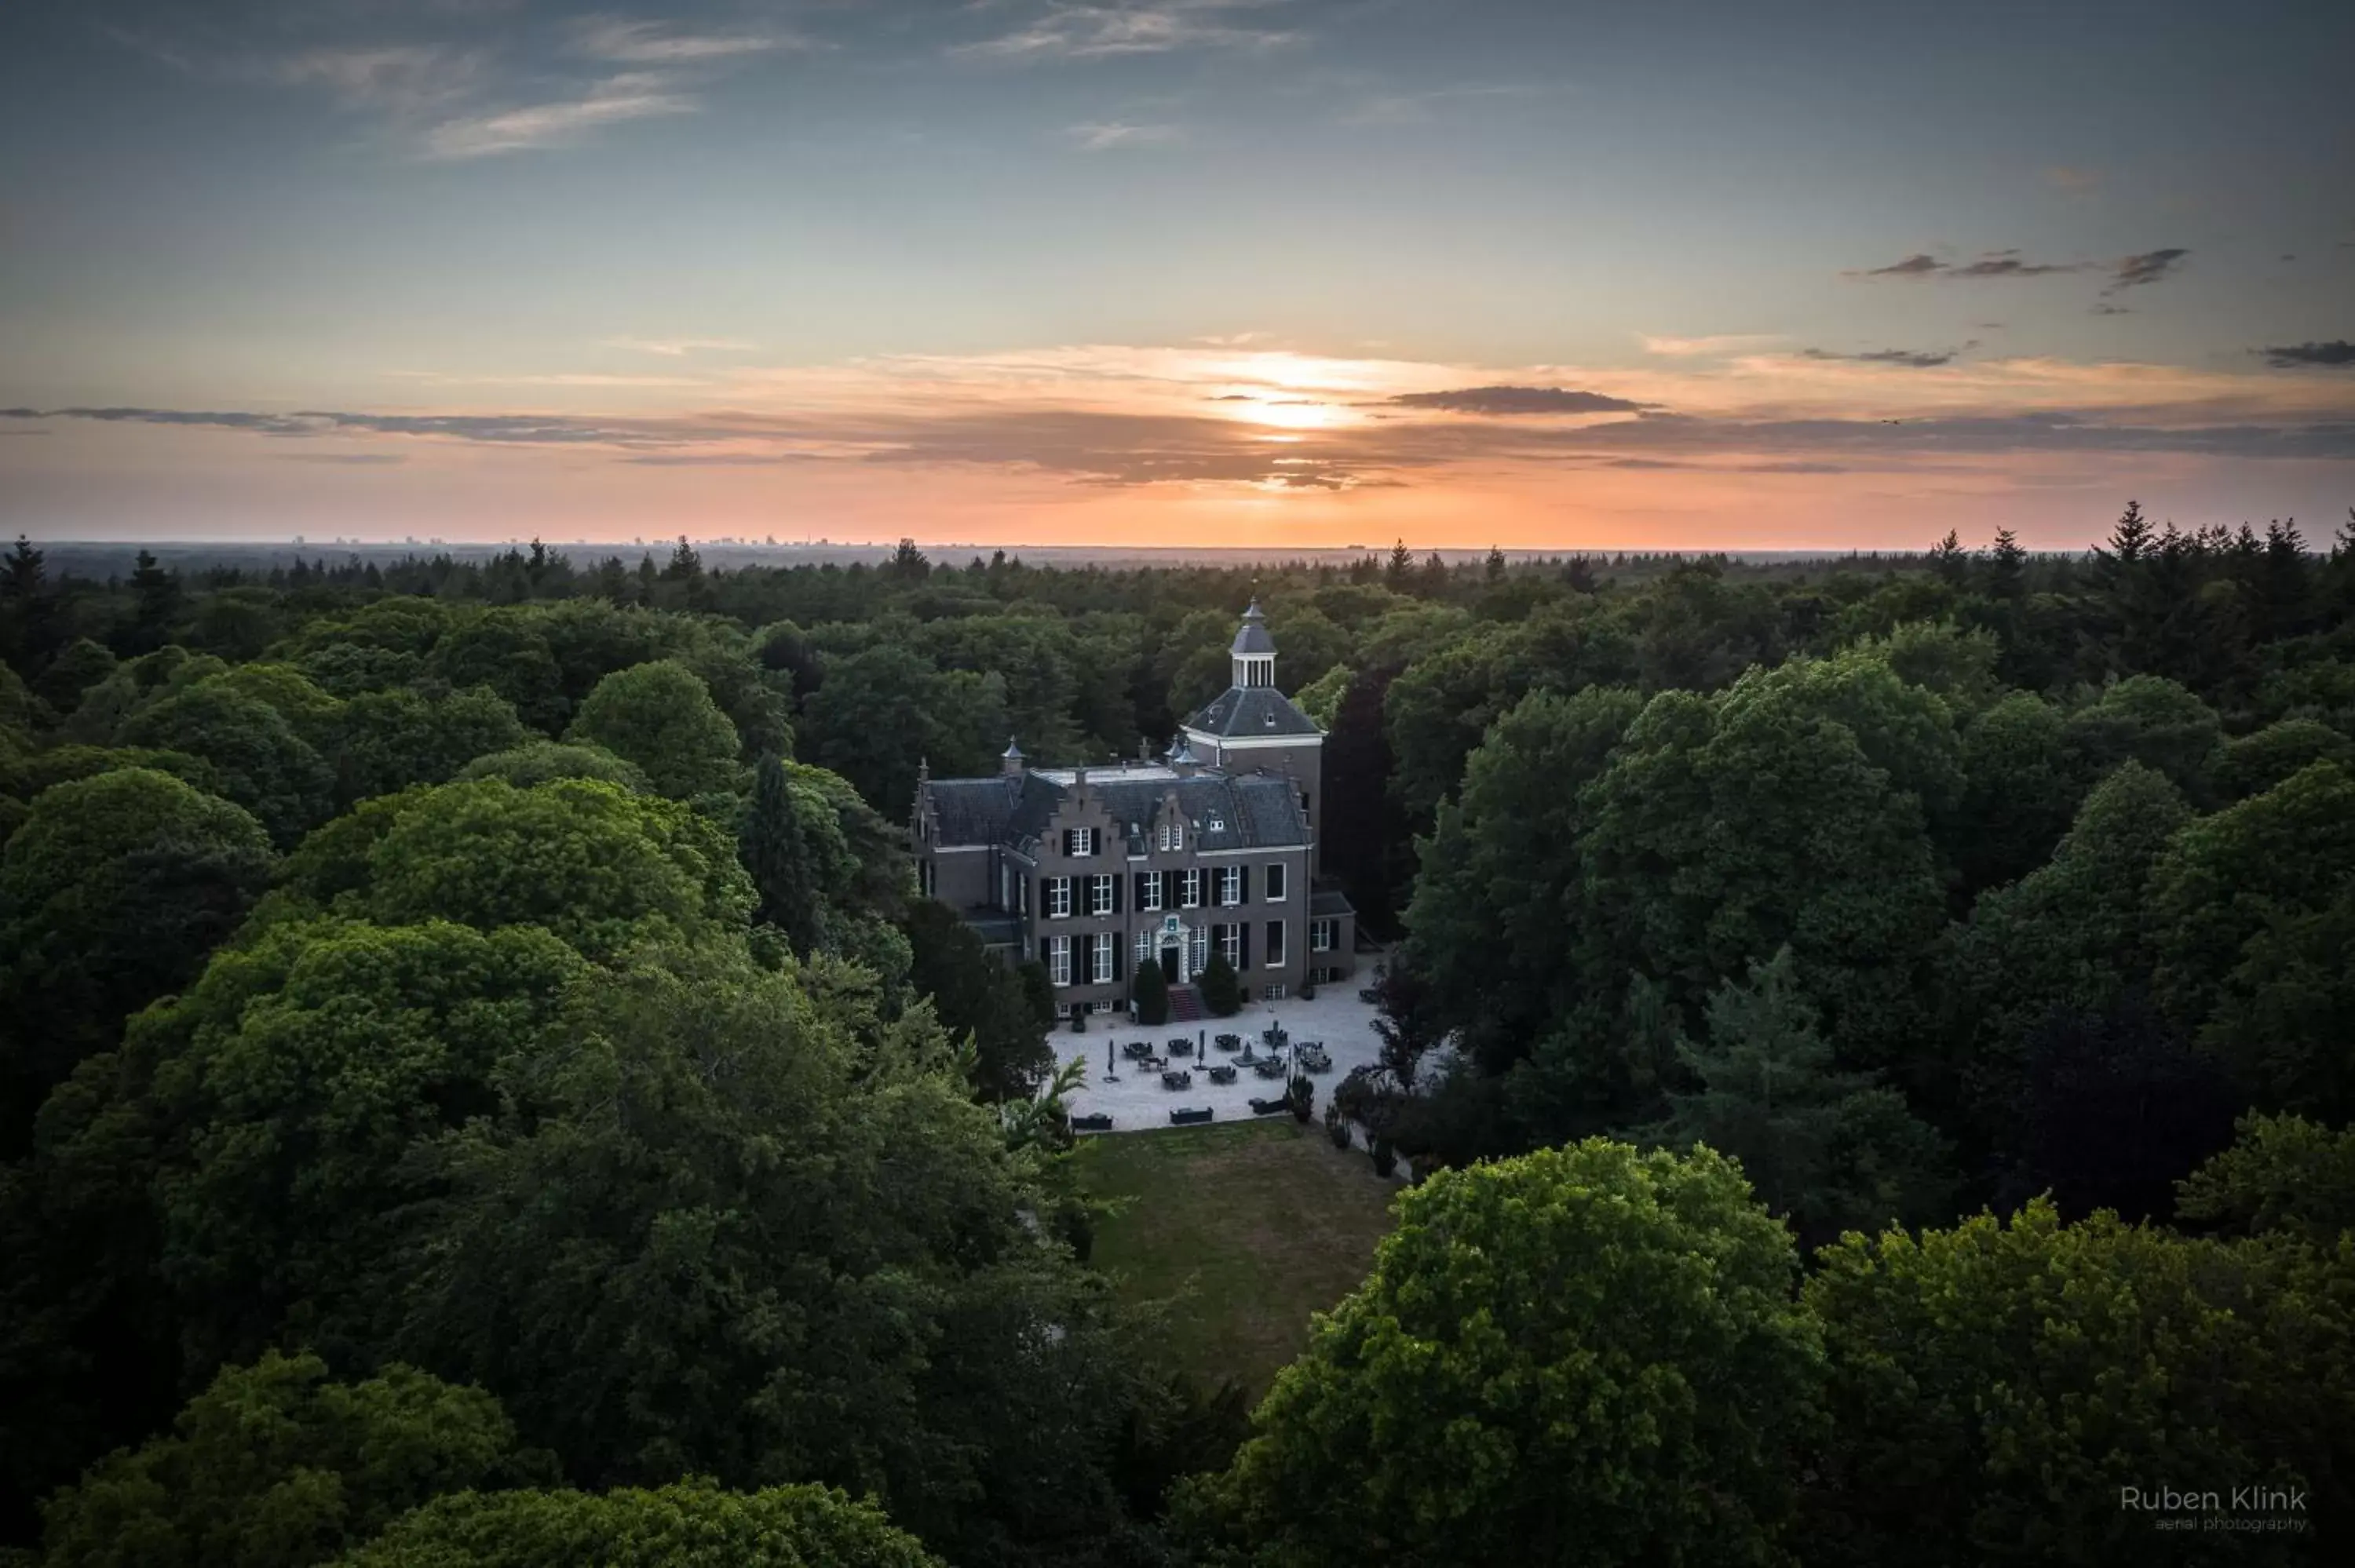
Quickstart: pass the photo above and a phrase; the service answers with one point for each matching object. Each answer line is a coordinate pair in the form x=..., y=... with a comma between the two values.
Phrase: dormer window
x=1078, y=843
x=1217, y=824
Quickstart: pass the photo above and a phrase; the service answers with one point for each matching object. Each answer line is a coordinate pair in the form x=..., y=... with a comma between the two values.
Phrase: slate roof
x=1331, y=901
x=1252, y=636
x=1252, y=710
x=995, y=930
x=1251, y=810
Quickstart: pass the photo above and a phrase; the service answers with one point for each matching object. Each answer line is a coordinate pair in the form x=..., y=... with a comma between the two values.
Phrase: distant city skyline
x=1257, y=274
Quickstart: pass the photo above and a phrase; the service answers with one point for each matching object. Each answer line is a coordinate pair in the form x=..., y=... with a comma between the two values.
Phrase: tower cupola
x=1253, y=651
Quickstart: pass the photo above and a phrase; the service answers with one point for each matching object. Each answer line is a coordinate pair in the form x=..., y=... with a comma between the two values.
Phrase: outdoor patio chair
x=1225, y=1074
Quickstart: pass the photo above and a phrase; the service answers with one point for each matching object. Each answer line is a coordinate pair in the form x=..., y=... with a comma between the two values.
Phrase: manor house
x=1096, y=871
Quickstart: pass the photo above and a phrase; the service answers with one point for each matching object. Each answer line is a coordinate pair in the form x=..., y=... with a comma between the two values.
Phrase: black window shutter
x=1116, y=895
x=1119, y=958
x=1243, y=944
x=1243, y=885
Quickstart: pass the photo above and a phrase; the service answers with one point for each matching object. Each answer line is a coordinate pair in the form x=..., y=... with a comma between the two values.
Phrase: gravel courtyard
x=1137, y=1102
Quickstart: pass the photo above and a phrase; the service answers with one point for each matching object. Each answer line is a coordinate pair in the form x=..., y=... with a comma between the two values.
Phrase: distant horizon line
x=936, y=549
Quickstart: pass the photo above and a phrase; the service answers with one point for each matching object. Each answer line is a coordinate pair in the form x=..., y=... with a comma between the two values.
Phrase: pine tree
x=908, y=564
x=773, y=851
x=1401, y=571
x=1949, y=562
x=25, y=578
x=1824, y=1147
x=2130, y=540
x=1496, y=565
x=2007, y=566
x=155, y=601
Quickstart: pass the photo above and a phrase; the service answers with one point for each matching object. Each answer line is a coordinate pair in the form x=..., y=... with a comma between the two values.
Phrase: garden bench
x=1098, y=1122
x=1189, y=1117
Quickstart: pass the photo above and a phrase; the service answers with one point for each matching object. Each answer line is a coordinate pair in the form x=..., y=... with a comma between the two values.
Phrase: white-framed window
x=1231, y=886
x=1058, y=959
x=1189, y=888
x=1320, y=936
x=1230, y=942
x=1200, y=957
x=1080, y=842
x=1148, y=891
x=1173, y=836
x=1272, y=957
x=1058, y=898
x=1100, y=895
x=1276, y=869
x=1217, y=824
x=1272, y=993
x=1145, y=940
x=1103, y=1006
x=1103, y=950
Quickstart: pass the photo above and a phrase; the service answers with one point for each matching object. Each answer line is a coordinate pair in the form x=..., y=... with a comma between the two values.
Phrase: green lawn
x=1242, y=1228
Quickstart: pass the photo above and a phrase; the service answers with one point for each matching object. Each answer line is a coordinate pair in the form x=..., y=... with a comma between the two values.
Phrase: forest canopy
x=479, y=1084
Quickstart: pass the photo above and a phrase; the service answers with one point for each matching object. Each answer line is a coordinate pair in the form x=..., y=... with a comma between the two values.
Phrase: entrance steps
x=1184, y=1005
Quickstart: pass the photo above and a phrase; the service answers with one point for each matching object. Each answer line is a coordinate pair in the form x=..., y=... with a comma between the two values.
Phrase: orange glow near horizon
x=1224, y=447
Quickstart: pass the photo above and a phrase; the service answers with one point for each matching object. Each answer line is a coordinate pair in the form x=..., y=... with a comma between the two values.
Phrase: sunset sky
x=1536, y=273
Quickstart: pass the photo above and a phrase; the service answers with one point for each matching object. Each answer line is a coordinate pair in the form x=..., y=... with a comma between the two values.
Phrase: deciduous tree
x=1581, y=1355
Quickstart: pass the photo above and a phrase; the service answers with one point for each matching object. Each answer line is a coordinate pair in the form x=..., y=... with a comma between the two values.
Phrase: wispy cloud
x=1279, y=422
x=680, y=347
x=2150, y=266
x=1920, y=264
x=625, y=42
x=400, y=80
x=1142, y=27
x=1105, y=137
x=2337, y=354
x=2007, y=264
x=2125, y=272
x=1720, y=343
x=554, y=378
x=1517, y=400
x=454, y=102
x=1911, y=358
x=2063, y=177
x=631, y=95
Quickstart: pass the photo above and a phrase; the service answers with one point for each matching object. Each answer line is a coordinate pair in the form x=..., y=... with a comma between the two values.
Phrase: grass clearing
x=1242, y=1229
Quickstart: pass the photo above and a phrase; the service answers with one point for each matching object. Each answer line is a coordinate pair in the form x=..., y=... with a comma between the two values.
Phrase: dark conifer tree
x=2007, y=567
x=1950, y=561
x=778, y=858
